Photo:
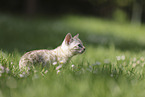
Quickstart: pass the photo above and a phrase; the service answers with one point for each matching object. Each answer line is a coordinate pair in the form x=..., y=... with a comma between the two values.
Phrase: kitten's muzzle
x=83, y=49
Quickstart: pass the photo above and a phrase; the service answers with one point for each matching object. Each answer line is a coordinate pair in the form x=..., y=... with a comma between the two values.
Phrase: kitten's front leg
x=60, y=65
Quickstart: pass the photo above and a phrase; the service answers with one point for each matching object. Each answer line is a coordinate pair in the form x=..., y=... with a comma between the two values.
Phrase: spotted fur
x=70, y=46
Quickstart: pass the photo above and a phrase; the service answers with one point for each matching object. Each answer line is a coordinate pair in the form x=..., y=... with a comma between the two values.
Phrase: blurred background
x=36, y=24
x=112, y=31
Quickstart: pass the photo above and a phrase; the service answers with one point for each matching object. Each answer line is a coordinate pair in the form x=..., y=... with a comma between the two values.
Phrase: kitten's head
x=73, y=44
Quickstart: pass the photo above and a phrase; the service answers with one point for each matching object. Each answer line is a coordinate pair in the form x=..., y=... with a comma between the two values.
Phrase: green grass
x=112, y=66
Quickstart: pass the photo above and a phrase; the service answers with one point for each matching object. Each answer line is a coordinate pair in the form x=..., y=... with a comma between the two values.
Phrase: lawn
x=112, y=66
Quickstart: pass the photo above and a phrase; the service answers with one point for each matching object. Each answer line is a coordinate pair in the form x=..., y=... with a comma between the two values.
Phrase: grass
x=112, y=66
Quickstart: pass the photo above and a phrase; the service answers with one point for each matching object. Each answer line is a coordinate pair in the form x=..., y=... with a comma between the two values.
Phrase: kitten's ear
x=68, y=38
x=76, y=36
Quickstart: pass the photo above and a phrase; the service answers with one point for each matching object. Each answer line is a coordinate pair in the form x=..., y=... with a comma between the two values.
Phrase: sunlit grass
x=106, y=71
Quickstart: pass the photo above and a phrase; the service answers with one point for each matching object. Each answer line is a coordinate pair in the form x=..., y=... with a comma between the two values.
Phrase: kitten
x=61, y=55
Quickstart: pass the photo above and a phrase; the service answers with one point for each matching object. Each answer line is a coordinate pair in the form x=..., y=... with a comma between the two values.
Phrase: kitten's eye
x=79, y=45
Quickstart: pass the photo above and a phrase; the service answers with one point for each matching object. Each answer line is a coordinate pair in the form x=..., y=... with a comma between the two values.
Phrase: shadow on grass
x=30, y=41
x=24, y=35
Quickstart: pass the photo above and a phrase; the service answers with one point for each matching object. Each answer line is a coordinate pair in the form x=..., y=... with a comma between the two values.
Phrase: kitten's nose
x=84, y=48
